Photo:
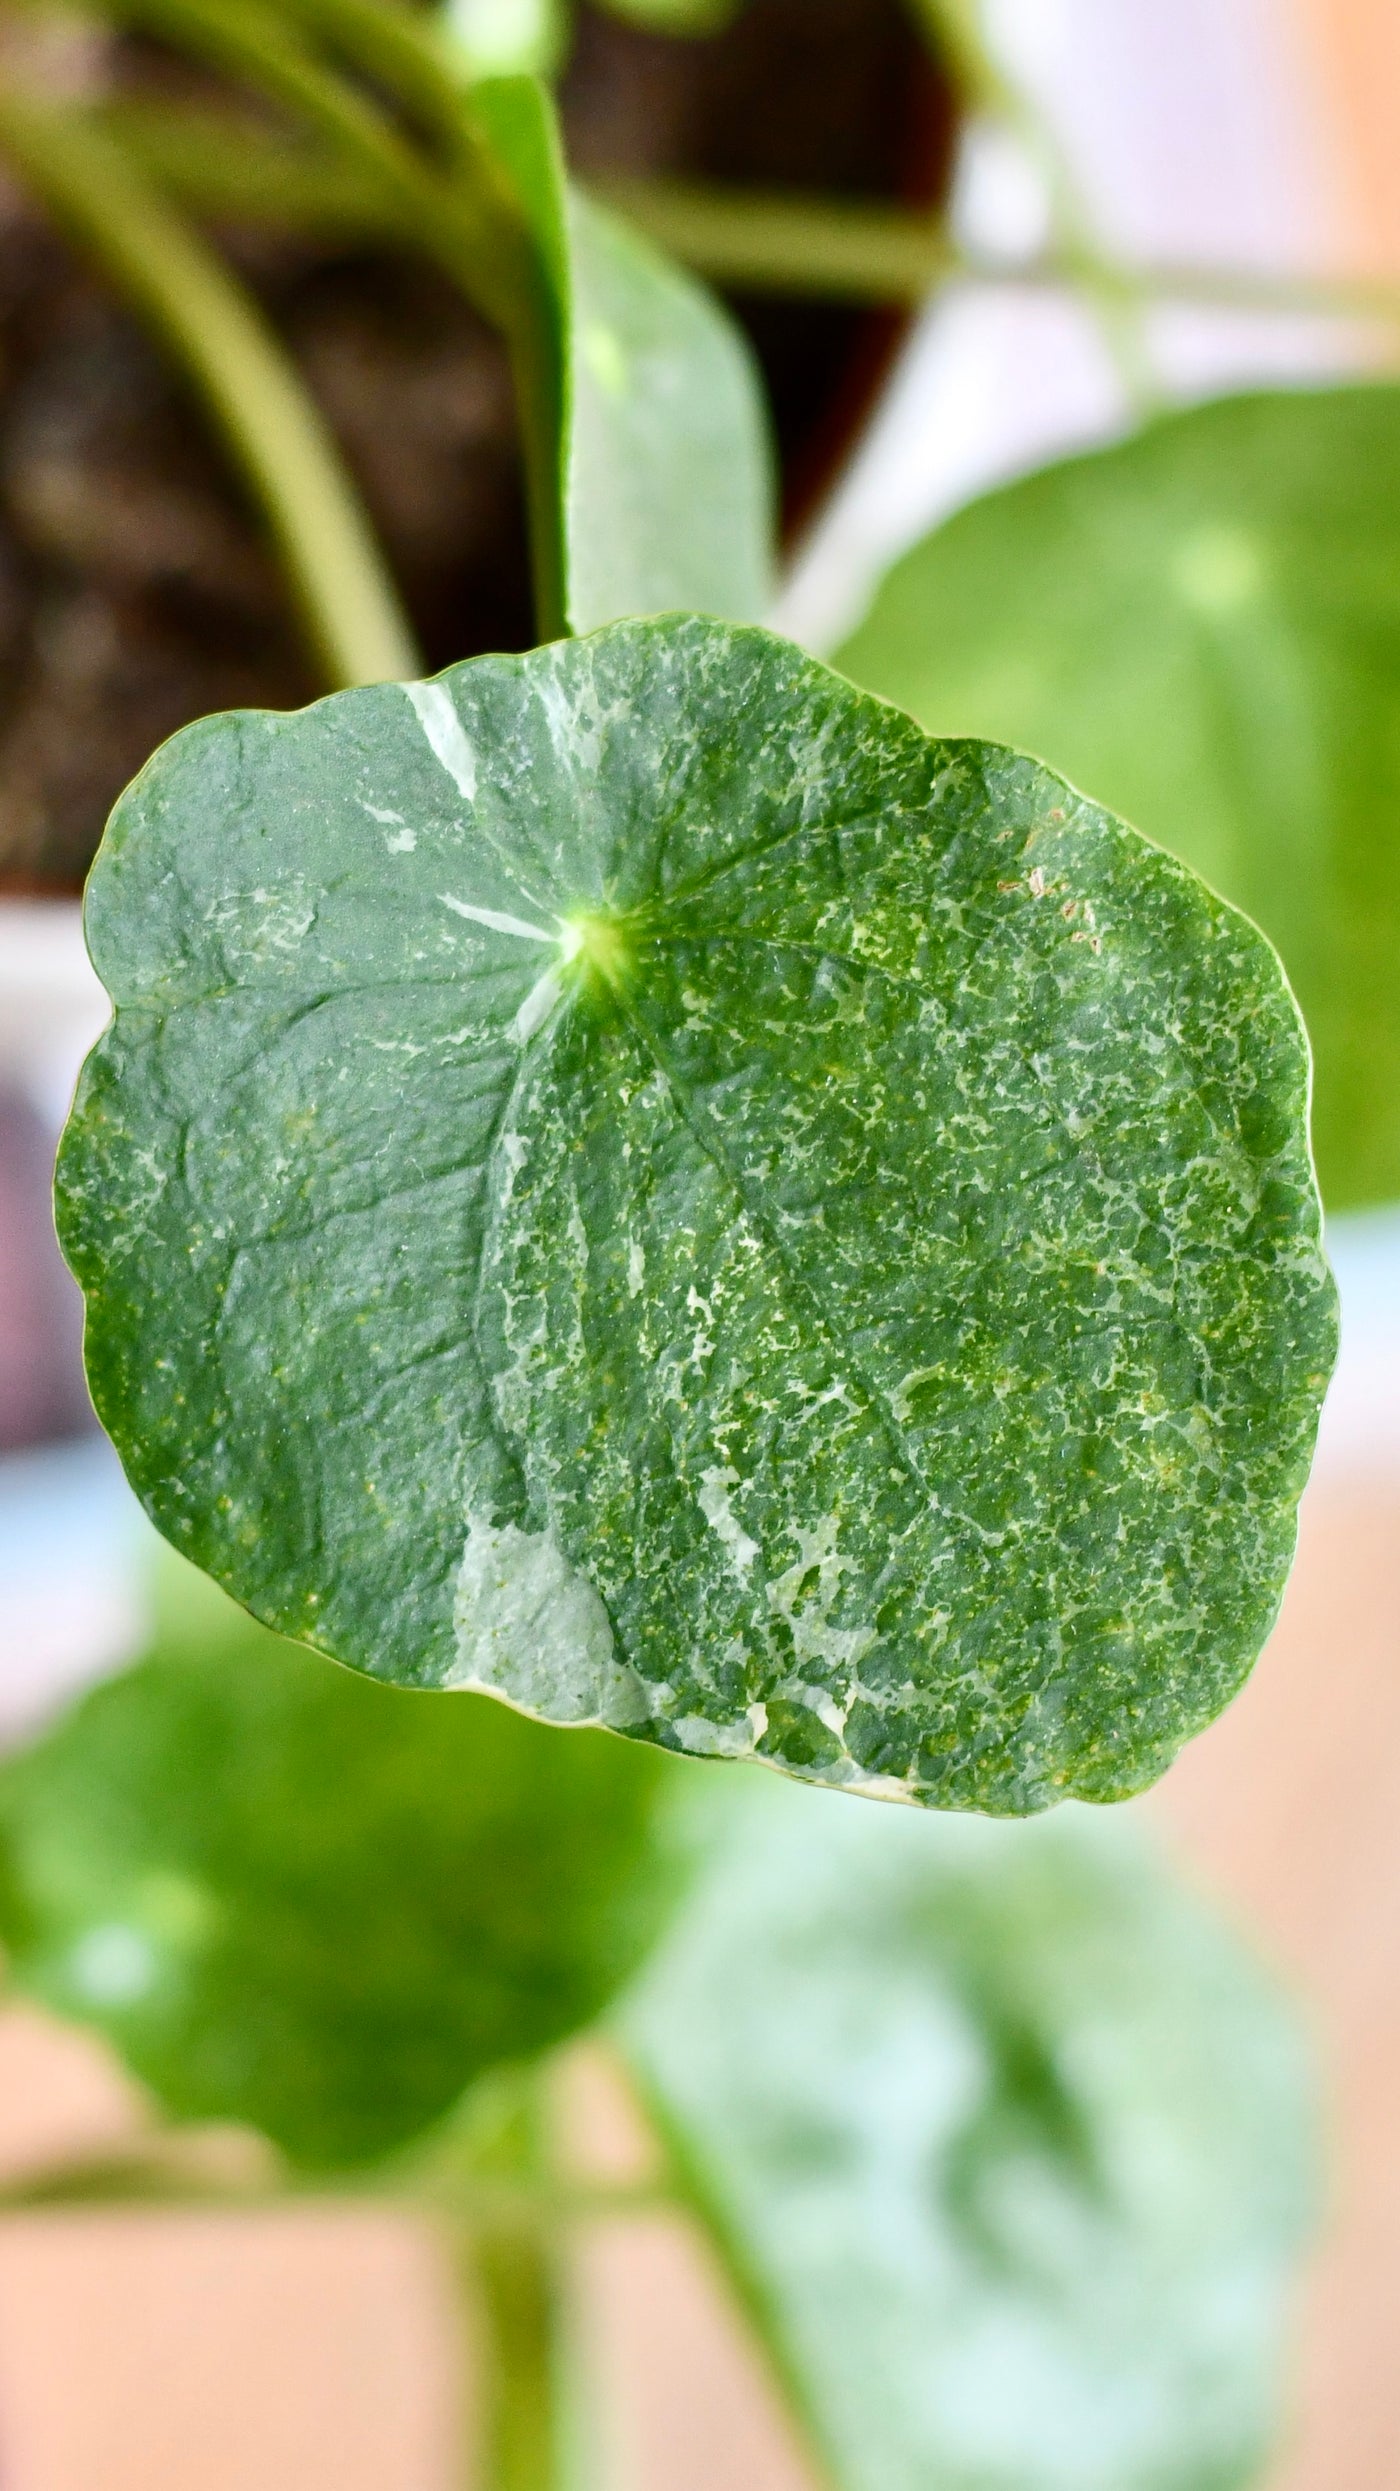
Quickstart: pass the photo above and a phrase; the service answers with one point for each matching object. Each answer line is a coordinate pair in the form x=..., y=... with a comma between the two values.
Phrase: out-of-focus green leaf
x=630, y=1178
x=664, y=470
x=1007, y=2142
x=509, y=38
x=1202, y=627
x=298, y=1899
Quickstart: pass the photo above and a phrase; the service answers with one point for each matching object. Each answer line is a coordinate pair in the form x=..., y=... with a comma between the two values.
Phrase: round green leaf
x=1007, y=2142
x=294, y=1898
x=630, y=1178
x=1203, y=626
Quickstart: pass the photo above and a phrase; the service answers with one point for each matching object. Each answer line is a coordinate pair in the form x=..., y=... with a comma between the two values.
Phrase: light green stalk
x=787, y=243
x=460, y=213
x=264, y=50
x=954, y=31
x=513, y=2273
x=234, y=167
x=784, y=242
x=469, y=220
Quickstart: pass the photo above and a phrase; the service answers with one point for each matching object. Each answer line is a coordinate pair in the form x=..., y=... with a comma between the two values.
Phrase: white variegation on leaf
x=633, y=1178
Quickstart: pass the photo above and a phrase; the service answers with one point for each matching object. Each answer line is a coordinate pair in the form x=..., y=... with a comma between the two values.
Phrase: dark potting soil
x=136, y=591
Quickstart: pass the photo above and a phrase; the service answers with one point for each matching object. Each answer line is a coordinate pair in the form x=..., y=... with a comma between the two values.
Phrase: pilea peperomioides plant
x=632, y=1180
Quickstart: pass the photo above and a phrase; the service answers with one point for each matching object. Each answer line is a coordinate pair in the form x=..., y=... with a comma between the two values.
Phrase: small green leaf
x=294, y=1898
x=1007, y=2142
x=1203, y=627
x=629, y=1177
x=664, y=469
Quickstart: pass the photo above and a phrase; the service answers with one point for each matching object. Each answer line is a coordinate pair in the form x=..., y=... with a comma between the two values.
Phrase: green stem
x=687, y=2189
x=167, y=2168
x=955, y=32
x=782, y=242
x=238, y=168
x=463, y=216
x=412, y=57
x=516, y=2291
x=514, y=2274
x=478, y=235
x=349, y=606
x=221, y=165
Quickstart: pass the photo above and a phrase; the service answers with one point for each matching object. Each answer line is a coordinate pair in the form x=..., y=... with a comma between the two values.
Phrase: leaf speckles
x=868, y=1302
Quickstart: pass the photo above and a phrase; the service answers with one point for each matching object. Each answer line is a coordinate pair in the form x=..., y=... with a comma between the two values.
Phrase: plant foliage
x=630, y=1178
x=661, y=438
x=1006, y=2141
x=633, y=1181
x=320, y=1906
x=1203, y=626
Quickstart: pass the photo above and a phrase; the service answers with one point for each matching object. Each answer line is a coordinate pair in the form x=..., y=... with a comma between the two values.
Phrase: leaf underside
x=1203, y=626
x=1008, y=2143
x=631, y=1178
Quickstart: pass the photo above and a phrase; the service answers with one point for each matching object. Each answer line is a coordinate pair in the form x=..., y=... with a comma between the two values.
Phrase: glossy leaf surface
x=664, y=471
x=1202, y=627
x=1006, y=2140
x=297, y=1899
x=629, y=1177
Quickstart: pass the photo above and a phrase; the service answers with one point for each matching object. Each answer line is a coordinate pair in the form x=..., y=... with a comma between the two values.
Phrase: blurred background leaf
x=296, y=1898
x=1201, y=628
x=1006, y=2138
